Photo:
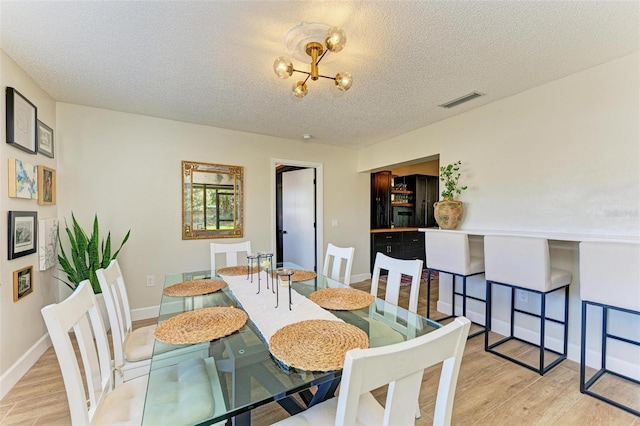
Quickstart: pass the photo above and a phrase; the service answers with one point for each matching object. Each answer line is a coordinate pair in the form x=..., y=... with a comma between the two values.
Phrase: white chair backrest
x=519, y=261
x=610, y=274
x=80, y=313
x=336, y=257
x=231, y=250
x=447, y=251
x=115, y=296
x=401, y=365
x=396, y=268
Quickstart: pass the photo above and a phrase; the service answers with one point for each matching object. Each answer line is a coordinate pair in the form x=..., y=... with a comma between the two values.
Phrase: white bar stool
x=522, y=263
x=609, y=281
x=448, y=252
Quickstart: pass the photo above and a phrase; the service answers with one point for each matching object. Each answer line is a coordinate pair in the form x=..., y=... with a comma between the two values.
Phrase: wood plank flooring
x=491, y=391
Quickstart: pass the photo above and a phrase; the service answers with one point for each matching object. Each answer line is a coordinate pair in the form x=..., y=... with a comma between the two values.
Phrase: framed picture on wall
x=23, y=234
x=22, y=117
x=23, y=179
x=45, y=139
x=46, y=186
x=22, y=283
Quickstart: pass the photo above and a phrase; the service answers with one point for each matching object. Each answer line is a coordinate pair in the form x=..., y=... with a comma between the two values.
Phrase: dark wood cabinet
x=398, y=244
x=411, y=206
x=381, y=200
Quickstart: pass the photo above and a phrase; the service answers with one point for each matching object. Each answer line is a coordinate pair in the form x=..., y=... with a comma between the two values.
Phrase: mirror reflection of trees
x=212, y=200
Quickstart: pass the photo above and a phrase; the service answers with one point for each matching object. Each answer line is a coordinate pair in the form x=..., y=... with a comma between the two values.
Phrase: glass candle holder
x=284, y=277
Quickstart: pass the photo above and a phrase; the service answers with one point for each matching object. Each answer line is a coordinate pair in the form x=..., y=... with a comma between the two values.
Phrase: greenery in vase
x=450, y=174
x=87, y=255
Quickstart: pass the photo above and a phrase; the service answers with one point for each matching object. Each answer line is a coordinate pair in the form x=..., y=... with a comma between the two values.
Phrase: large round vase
x=448, y=213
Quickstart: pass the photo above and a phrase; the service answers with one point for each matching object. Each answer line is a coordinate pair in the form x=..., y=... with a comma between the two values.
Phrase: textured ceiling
x=211, y=62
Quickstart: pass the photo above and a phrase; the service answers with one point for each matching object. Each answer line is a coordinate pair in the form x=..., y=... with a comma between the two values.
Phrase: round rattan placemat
x=201, y=325
x=299, y=275
x=194, y=288
x=341, y=299
x=236, y=270
x=316, y=345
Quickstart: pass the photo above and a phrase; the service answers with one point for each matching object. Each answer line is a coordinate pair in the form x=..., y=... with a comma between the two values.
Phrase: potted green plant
x=87, y=255
x=448, y=211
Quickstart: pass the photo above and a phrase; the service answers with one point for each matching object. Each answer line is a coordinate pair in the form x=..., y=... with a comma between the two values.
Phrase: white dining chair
x=395, y=269
x=401, y=366
x=231, y=252
x=334, y=259
x=132, y=349
x=88, y=379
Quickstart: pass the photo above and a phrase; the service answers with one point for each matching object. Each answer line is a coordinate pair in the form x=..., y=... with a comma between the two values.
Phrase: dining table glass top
x=249, y=375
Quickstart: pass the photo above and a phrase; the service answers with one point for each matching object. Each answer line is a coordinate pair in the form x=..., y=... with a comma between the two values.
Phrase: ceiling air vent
x=461, y=100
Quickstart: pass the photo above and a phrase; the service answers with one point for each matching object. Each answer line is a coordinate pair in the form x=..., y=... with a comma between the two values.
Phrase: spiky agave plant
x=87, y=254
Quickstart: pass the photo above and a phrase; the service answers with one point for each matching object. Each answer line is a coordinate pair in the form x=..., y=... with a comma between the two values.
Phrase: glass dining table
x=249, y=376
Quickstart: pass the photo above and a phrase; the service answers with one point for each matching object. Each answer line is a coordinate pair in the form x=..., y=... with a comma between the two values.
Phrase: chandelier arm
x=324, y=76
x=321, y=56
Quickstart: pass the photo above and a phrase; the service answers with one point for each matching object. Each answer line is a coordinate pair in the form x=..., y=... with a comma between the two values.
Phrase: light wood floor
x=490, y=391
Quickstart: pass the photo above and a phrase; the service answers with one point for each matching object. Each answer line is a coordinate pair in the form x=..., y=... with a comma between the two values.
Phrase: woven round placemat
x=194, y=288
x=341, y=299
x=201, y=325
x=236, y=270
x=316, y=345
x=299, y=275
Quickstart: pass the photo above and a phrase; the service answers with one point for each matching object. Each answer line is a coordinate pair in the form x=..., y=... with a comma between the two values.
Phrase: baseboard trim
x=10, y=377
x=145, y=313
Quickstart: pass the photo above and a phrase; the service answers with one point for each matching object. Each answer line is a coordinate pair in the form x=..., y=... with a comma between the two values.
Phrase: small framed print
x=23, y=234
x=22, y=120
x=46, y=186
x=45, y=139
x=22, y=283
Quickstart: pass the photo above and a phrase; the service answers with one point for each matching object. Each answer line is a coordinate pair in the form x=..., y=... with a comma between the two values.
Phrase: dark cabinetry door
x=381, y=200
x=426, y=194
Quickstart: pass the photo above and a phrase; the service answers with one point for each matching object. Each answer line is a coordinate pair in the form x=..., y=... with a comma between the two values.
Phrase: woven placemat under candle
x=341, y=299
x=236, y=270
x=316, y=345
x=299, y=275
x=194, y=288
x=201, y=325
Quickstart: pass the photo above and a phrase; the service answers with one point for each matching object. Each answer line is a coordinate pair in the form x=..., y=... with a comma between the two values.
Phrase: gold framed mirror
x=212, y=204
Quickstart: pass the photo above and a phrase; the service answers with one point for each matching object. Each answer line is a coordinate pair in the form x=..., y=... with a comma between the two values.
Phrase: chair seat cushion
x=124, y=405
x=185, y=393
x=138, y=345
x=559, y=278
x=370, y=412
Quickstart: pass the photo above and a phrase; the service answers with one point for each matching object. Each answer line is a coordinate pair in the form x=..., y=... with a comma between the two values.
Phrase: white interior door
x=298, y=217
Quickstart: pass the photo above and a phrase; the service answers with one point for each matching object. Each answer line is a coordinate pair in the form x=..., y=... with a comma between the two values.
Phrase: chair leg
x=543, y=320
x=487, y=315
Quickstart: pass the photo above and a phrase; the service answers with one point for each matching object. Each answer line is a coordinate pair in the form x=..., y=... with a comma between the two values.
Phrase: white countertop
x=557, y=236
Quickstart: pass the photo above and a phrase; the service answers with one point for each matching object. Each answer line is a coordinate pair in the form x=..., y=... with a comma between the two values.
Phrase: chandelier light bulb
x=283, y=67
x=344, y=81
x=336, y=39
x=299, y=89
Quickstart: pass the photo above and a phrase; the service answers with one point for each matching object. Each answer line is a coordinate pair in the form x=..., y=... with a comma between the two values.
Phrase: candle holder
x=283, y=273
x=265, y=262
x=253, y=261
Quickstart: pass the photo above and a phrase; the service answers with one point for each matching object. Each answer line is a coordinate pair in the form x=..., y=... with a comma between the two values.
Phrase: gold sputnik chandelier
x=312, y=41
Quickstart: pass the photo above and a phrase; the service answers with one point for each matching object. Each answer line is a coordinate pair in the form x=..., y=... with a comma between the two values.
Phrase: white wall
x=21, y=325
x=127, y=167
x=562, y=157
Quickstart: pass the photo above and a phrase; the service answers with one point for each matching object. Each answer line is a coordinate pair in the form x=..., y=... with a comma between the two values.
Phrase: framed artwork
x=22, y=117
x=23, y=234
x=45, y=139
x=22, y=283
x=23, y=179
x=46, y=186
x=47, y=243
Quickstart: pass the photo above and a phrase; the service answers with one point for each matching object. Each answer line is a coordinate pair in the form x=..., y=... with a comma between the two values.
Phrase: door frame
x=319, y=249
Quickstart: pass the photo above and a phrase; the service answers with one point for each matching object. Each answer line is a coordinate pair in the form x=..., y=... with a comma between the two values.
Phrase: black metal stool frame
x=542, y=369
x=453, y=298
x=586, y=384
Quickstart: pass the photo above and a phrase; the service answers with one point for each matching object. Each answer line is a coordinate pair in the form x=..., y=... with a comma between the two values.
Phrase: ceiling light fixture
x=310, y=40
